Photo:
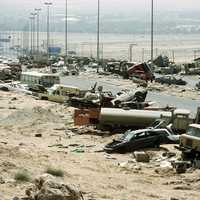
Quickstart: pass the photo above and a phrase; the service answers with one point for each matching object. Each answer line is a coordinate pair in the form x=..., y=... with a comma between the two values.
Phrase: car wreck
x=142, y=138
x=170, y=80
x=190, y=143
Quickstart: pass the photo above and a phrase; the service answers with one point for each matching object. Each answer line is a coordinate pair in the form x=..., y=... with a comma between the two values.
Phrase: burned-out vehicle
x=142, y=138
x=197, y=86
x=142, y=71
x=37, y=88
x=170, y=80
x=129, y=98
x=190, y=143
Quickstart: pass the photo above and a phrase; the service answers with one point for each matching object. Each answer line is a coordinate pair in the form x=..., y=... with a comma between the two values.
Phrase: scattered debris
x=38, y=135
x=141, y=156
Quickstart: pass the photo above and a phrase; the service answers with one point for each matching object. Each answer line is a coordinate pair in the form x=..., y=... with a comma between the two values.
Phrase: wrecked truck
x=190, y=143
x=116, y=118
x=142, y=71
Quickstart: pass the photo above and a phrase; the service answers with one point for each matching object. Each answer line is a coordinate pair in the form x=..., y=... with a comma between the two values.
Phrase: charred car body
x=143, y=138
x=170, y=80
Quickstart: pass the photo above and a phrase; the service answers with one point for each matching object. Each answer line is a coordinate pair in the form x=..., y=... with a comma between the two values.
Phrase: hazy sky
x=107, y=5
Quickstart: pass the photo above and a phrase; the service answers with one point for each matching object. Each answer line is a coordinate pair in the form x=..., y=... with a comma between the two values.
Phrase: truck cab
x=190, y=142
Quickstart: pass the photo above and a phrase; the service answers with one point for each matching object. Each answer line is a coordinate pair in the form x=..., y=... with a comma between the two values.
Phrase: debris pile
x=47, y=188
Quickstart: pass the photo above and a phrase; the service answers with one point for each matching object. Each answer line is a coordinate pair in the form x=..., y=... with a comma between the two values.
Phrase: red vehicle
x=142, y=71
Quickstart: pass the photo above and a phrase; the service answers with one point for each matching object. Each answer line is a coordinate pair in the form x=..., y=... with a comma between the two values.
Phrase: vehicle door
x=139, y=141
x=152, y=138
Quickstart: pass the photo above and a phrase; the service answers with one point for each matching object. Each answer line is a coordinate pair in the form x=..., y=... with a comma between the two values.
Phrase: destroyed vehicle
x=15, y=86
x=90, y=100
x=142, y=138
x=190, y=142
x=60, y=93
x=138, y=95
x=197, y=86
x=142, y=71
x=136, y=105
x=37, y=88
x=161, y=61
x=32, y=78
x=170, y=80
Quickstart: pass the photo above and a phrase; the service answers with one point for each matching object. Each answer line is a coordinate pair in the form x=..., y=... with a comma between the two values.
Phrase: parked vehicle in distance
x=142, y=138
x=32, y=78
x=170, y=80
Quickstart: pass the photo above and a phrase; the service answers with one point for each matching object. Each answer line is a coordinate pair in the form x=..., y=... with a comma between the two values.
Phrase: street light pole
x=48, y=4
x=66, y=31
x=38, y=29
x=33, y=17
x=31, y=33
x=152, y=30
x=98, y=35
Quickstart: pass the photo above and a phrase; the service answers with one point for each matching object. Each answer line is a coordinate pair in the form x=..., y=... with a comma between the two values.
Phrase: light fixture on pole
x=48, y=4
x=152, y=30
x=98, y=35
x=38, y=29
x=66, y=31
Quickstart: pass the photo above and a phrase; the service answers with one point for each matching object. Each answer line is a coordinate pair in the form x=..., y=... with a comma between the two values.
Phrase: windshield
x=128, y=135
x=193, y=131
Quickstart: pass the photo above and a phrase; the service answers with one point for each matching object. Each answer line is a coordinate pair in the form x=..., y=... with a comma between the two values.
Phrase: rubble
x=47, y=188
x=2, y=181
x=141, y=156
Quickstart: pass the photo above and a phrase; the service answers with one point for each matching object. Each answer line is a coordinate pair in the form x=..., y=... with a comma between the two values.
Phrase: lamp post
x=131, y=51
x=48, y=4
x=152, y=30
x=38, y=29
x=31, y=33
x=66, y=31
x=33, y=30
x=98, y=34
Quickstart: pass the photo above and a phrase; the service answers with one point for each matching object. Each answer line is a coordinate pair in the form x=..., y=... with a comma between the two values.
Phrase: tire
x=185, y=155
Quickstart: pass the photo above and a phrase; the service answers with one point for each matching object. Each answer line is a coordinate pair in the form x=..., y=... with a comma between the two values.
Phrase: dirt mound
x=46, y=188
x=37, y=115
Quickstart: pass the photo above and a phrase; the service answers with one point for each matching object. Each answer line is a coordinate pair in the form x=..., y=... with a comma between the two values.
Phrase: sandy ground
x=98, y=175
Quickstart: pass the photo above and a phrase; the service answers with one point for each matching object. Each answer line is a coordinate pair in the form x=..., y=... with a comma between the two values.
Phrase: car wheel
x=157, y=144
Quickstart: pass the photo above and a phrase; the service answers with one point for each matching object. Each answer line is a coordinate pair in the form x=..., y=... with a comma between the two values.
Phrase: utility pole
x=131, y=52
x=173, y=56
x=142, y=54
x=66, y=31
x=152, y=30
x=48, y=4
x=38, y=29
x=98, y=36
